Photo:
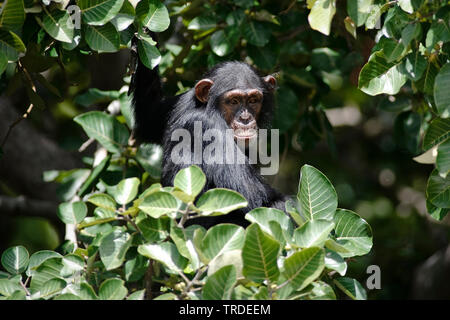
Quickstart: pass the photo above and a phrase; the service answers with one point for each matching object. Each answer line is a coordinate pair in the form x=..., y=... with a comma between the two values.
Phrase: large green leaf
x=102, y=38
x=438, y=131
x=191, y=181
x=166, y=253
x=125, y=17
x=12, y=14
x=57, y=24
x=256, y=33
x=221, y=238
x=321, y=15
x=439, y=31
x=442, y=92
x=153, y=14
x=103, y=200
x=219, y=286
x=335, y=262
x=443, y=157
x=126, y=190
x=8, y=287
x=148, y=52
x=303, y=267
x=49, y=269
x=351, y=287
x=51, y=288
x=313, y=233
x=379, y=76
x=414, y=65
x=38, y=258
x=11, y=45
x=96, y=96
x=113, y=248
x=358, y=10
x=438, y=190
x=220, y=201
x=105, y=129
x=72, y=212
x=159, y=203
x=112, y=289
x=259, y=255
x=426, y=83
x=15, y=259
x=265, y=217
x=316, y=194
x=223, y=41
x=353, y=233
x=99, y=12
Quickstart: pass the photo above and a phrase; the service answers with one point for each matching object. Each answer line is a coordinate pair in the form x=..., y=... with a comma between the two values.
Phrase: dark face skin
x=240, y=107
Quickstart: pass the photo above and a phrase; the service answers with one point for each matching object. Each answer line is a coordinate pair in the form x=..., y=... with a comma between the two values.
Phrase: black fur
x=157, y=117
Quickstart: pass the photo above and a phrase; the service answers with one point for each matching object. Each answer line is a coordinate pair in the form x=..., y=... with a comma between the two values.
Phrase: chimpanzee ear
x=202, y=89
x=271, y=82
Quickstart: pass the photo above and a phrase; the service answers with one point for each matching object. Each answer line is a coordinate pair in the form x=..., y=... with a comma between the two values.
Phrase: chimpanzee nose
x=245, y=117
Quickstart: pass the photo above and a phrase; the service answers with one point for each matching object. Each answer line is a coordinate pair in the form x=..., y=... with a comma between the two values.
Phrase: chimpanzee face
x=240, y=108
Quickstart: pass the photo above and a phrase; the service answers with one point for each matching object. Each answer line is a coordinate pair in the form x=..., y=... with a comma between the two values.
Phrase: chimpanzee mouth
x=244, y=131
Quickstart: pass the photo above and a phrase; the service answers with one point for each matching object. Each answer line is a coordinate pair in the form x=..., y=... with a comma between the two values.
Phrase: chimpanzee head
x=244, y=99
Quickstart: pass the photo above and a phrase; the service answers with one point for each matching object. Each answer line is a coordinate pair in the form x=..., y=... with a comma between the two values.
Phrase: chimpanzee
x=230, y=96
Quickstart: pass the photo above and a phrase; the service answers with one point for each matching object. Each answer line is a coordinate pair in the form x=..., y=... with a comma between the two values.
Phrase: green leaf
x=149, y=156
x=313, y=233
x=221, y=238
x=321, y=15
x=219, y=286
x=184, y=244
x=94, y=176
x=414, y=65
x=358, y=10
x=351, y=288
x=335, y=262
x=153, y=15
x=102, y=38
x=113, y=248
x=303, y=267
x=411, y=32
x=442, y=92
x=67, y=296
x=265, y=217
x=316, y=194
x=393, y=50
x=103, y=200
x=105, y=129
x=438, y=131
x=72, y=212
x=220, y=201
x=148, y=53
x=9, y=287
x=437, y=213
x=166, y=253
x=426, y=83
x=15, y=259
x=99, y=12
x=256, y=33
x=191, y=181
x=406, y=5
x=11, y=45
x=96, y=96
x=126, y=190
x=39, y=258
x=12, y=14
x=259, y=255
x=112, y=289
x=378, y=76
x=443, y=157
x=51, y=288
x=49, y=269
x=154, y=230
x=137, y=295
x=438, y=190
x=58, y=25
x=158, y=204
x=353, y=233
x=223, y=41
x=438, y=32
x=322, y=291
x=125, y=17
x=3, y=63
x=202, y=23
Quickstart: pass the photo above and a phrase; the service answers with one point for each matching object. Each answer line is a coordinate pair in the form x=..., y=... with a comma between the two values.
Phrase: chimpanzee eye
x=234, y=101
x=253, y=100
